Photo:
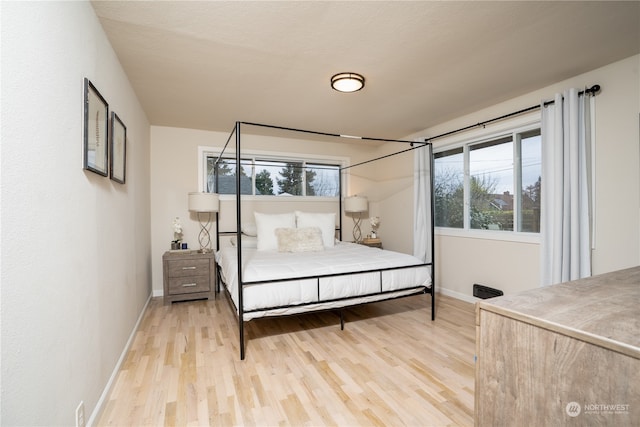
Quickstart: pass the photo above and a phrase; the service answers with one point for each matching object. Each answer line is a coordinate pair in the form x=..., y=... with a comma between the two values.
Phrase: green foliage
x=482, y=213
x=503, y=219
x=264, y=183
x=481, y=219
x=310, y=176
x=449, y=199
x=533, y=192
x=291, y=181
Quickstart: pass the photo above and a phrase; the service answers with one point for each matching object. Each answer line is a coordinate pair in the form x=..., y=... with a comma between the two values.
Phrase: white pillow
x=326, y=222
x=249, y=228
x=247, y=241
x=299, y=239
x=266, y=225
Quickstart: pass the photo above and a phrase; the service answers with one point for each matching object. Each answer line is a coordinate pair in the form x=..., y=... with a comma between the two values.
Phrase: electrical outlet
x=80, y=415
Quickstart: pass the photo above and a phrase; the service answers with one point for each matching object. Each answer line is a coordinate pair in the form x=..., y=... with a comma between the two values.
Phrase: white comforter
x=328, y=292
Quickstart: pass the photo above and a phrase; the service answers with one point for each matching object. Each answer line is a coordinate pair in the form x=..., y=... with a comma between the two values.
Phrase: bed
x=296, y=262
x=281, y=283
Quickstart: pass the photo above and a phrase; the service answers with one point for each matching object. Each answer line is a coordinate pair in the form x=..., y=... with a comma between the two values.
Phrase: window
x=265, y=176
x=475, y=184
x=448, y=188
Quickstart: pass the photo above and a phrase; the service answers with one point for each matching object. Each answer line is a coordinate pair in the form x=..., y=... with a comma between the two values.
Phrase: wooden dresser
x=188, y=275
x=562, y=355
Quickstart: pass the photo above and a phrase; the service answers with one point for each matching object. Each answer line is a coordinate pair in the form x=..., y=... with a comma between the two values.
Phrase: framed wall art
x=118, y=149
x=96, y=130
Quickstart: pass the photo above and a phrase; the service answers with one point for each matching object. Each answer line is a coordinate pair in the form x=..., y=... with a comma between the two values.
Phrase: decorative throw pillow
x=266, y=225
x=326, y=222
x=306, y=239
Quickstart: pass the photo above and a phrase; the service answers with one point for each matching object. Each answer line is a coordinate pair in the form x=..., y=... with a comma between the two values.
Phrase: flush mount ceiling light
x=347, y=82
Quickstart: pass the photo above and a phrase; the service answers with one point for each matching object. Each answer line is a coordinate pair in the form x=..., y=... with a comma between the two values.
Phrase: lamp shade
x=204, y=202
x=355, y=204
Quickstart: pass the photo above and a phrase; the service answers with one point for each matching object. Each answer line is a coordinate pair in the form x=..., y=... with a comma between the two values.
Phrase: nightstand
x=188, y=275
x=372, y=243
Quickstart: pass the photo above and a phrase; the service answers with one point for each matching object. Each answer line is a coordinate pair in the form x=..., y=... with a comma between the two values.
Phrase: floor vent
x=484, y=292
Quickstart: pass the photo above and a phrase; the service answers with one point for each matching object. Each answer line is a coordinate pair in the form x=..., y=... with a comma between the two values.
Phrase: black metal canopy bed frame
x=376, y=281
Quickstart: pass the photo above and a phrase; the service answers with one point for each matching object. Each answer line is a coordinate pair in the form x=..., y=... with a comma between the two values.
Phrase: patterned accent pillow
x=307, y=239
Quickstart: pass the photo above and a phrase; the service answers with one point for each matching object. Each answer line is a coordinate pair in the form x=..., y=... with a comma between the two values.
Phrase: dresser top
x=603, y=309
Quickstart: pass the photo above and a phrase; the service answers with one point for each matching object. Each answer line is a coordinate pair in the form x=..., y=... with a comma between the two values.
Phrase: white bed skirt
x=297, y=296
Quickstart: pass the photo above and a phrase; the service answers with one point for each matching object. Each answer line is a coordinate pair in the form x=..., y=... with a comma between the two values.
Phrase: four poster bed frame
x=382, y=273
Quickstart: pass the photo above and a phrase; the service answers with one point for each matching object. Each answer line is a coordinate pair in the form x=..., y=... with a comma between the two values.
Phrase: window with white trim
x=490, y=184
x=272, y=176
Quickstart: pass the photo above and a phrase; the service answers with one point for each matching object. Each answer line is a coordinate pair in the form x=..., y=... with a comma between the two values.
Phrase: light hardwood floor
x=391, y=366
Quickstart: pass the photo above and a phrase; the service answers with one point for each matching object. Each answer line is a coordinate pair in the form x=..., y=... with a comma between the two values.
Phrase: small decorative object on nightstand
x=375, y=223
x=371, y=242
x=188, y=275
x=177, y=234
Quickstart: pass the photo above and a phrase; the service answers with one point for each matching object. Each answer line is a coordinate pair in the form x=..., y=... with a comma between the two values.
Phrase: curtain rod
x=593, y=90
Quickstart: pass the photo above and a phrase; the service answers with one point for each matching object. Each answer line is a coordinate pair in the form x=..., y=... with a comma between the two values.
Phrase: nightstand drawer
x=188, y=267
x=188, y=276
x=188, y=285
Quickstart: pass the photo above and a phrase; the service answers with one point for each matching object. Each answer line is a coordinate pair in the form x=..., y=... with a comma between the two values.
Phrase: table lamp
x=356, y=205
x=204, y=203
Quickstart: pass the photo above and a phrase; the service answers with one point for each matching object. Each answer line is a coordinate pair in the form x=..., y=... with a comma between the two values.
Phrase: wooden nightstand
x=373, y=243
x=188, y=275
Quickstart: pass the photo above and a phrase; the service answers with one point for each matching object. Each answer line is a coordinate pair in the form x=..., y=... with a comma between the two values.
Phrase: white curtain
x=566, y=189
x=422, y=204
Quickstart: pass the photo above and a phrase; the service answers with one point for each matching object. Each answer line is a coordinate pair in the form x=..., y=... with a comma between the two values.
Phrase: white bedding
x=260, y=299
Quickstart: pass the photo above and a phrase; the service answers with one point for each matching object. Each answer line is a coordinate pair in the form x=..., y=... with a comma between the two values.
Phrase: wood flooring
x=390, y=366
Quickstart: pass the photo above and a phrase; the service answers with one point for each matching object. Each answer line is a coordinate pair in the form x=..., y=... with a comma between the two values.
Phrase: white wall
x=75, y=245
x=392, y=193
x=513, y=266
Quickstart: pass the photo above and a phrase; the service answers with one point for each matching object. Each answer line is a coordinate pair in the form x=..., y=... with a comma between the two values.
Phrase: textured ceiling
x=207, y=64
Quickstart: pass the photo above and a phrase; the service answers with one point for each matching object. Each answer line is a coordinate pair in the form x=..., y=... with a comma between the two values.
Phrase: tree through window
x=271, y=177
x=475, y=184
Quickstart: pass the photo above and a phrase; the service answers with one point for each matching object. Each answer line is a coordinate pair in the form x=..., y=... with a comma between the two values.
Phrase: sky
x=496, y=163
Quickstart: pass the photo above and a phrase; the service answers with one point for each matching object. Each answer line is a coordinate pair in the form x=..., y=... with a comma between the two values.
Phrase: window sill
x=506, y=236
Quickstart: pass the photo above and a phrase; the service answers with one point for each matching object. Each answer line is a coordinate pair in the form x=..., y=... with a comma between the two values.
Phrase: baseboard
x=458, y=295
x=105, y=393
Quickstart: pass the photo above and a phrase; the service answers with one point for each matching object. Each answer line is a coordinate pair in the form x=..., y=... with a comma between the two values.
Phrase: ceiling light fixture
x=347, y=82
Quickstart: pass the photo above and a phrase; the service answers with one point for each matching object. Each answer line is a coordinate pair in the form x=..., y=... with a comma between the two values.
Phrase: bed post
x=433, y=236
x=239, y=244
x=340, y=204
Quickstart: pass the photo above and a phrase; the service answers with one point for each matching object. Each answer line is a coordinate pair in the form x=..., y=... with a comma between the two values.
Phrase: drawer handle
x=189, y=285
x=189, y=268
